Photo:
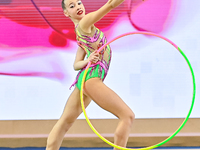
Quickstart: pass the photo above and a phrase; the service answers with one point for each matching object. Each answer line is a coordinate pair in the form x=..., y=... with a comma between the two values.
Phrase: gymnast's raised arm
x=88, y=20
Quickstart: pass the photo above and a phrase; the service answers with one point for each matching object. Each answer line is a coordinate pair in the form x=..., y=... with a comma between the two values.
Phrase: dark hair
x=63, y=5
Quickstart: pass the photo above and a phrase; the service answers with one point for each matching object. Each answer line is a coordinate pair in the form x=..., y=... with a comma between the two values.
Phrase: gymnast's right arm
x=80, y=63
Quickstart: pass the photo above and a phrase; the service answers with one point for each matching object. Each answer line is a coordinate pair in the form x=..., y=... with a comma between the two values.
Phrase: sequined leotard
x=90, y=43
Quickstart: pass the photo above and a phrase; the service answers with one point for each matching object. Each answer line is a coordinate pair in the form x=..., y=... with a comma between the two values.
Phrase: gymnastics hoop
x=180, y=127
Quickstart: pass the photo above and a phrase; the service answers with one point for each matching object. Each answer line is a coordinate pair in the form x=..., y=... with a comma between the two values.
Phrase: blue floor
x=63, y=148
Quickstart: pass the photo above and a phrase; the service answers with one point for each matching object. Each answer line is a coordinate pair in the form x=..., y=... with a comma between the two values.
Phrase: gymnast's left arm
x=88, y=20
x=115, y=3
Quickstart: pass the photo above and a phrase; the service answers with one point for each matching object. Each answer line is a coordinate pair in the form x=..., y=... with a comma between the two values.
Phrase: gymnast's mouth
x=80, y=12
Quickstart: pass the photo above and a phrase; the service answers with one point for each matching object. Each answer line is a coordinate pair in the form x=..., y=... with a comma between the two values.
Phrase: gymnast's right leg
x=71, y=112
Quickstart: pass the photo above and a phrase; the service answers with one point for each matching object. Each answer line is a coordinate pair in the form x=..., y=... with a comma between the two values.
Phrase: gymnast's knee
x=129, y=118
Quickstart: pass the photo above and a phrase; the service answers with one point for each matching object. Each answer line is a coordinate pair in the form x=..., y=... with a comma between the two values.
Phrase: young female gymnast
x=89, y=39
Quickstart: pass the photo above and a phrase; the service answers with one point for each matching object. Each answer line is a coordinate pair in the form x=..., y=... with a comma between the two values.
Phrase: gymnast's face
x=74, y=9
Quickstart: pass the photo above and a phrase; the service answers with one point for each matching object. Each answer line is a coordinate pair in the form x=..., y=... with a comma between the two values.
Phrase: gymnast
x=90, y=39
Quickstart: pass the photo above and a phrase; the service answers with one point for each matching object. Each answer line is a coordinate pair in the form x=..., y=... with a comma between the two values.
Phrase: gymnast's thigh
x=73, y=106
x=106, y=98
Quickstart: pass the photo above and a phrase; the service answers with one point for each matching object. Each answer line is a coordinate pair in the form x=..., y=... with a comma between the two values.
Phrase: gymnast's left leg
x=110, y=101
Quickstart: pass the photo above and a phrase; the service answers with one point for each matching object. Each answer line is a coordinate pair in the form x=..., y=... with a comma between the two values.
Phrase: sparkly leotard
x=90, y=43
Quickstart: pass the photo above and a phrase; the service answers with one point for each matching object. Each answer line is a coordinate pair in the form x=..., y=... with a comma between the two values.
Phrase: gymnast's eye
x=79, y=2
x=71, y=6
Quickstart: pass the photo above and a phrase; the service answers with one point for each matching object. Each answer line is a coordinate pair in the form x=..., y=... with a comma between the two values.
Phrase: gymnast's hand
x=94, y=57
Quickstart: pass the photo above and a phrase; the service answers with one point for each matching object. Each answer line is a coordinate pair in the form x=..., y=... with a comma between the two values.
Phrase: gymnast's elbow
x=115, y=3
x=78, y=65
x=76, y=68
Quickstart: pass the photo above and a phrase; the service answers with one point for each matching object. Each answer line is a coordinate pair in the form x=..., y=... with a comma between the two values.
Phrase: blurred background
x=38, y=47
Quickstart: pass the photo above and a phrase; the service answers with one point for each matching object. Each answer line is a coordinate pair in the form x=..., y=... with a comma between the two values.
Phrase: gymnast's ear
x=66, y=13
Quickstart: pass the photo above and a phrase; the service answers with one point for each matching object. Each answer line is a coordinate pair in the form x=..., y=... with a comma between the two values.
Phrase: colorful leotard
x=90, y=43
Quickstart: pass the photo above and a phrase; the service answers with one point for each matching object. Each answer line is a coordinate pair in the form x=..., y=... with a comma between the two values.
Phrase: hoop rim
x=179, y=128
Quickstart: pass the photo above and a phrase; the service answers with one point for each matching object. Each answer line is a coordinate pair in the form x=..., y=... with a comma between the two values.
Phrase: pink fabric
x=147, y=15
x=31, y=29
x=151, y=15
